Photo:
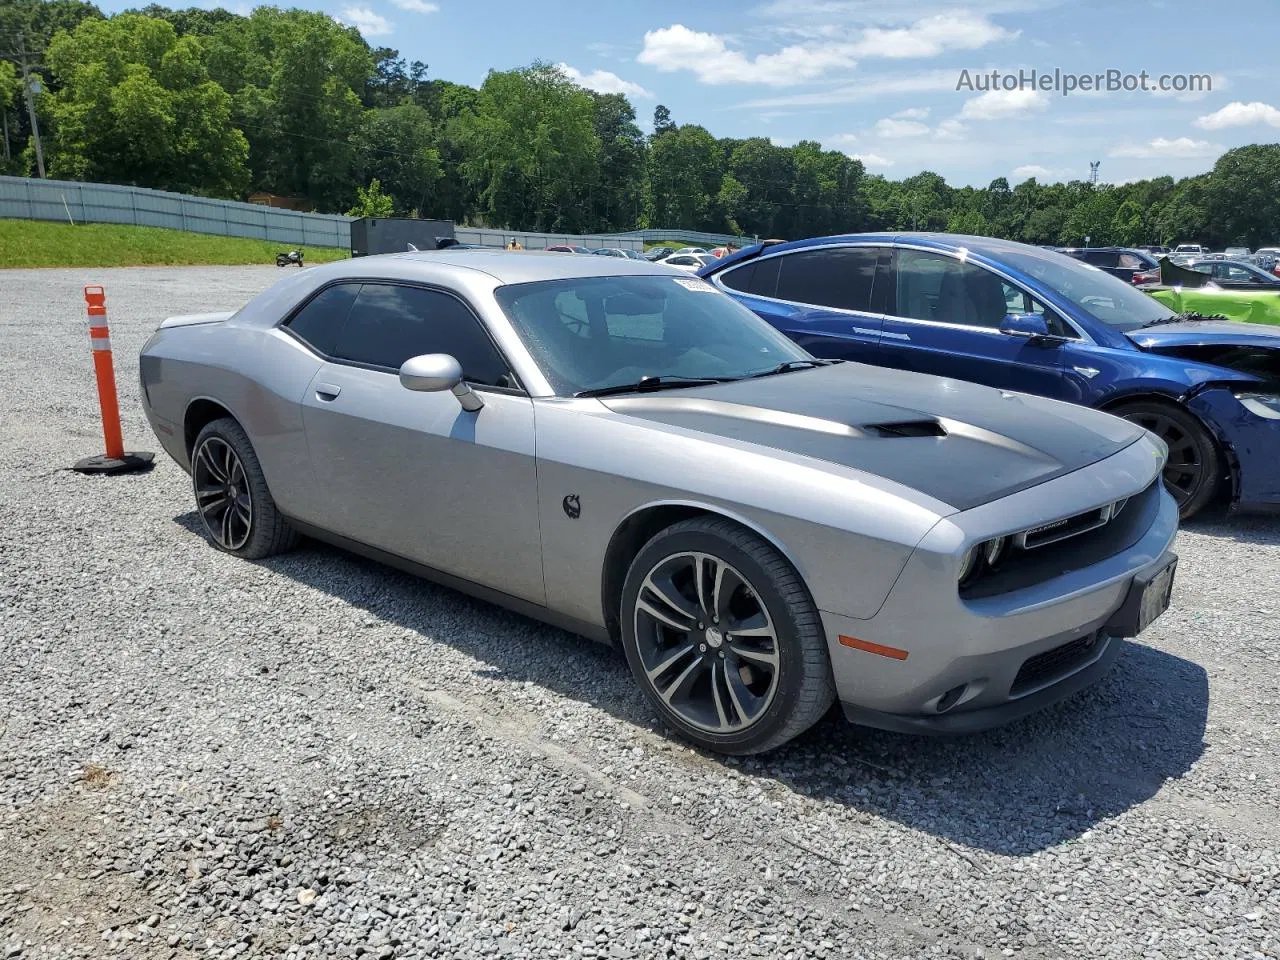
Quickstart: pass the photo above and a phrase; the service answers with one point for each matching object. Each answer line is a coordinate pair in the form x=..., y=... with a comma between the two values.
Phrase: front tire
x=235, y=507
x=724, y=639
x=1194, y=471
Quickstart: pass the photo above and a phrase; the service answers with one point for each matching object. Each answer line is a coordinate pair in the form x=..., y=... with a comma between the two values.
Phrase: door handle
x=328, y=391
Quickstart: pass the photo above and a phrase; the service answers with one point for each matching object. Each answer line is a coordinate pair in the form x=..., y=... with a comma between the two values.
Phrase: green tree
x=685, y=177
x=1243, y=193
x=529, y=144
x=295, y=77
x=1091, y=217
x=396, y=147
x=136, y=105
x=618, y=194
x=371, y=202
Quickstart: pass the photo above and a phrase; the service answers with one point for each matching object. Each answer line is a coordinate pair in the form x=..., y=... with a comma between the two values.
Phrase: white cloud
x=366, y=21
x=603, y=81
x=416, y=6
x=869, y=87
x=890, y=128
x=1239, y=114
x=931, y=36
x=912, y=113
x=872, y=159
x=1002, y=104
x=841, y=140
x=1028, y=170
x=713, y=62
x=1183, y=147
x=950, y=130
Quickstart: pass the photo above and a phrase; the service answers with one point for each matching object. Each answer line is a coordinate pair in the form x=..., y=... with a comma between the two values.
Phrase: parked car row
x=691, y=469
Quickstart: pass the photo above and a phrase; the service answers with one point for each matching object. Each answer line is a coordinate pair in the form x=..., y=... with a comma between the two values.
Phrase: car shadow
x=1095, y=756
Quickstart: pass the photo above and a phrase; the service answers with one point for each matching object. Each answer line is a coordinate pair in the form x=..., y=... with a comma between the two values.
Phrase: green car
x=1237, y=291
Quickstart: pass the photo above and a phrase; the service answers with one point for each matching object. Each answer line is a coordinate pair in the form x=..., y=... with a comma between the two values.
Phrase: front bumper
x=1253, y=442
x=974, y=664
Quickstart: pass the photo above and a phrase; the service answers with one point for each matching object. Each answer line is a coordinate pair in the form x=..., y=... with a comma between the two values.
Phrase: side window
x=320, y=321
x=389, y=324
x=931, y=286
x=740, y=278
x=1019, y=301
x=1101, y=258
x=1132, y=262
x=839, y=277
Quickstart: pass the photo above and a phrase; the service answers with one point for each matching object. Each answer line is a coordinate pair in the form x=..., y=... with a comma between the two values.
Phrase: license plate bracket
x=1148, y=598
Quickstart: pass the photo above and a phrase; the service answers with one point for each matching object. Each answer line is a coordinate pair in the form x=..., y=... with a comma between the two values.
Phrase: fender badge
x=572, y=506
x=1087, y=372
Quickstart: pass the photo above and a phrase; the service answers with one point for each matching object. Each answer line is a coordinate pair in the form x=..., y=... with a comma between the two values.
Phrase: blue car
x=1028, y=319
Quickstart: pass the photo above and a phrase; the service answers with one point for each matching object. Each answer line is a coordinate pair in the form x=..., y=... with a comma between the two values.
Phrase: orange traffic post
x=115, y=460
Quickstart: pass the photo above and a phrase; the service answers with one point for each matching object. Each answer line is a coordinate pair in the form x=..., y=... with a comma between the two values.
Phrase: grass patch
x=38, y=243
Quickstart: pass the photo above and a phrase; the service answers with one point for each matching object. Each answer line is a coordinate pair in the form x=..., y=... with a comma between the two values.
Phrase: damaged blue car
x=1032, y=320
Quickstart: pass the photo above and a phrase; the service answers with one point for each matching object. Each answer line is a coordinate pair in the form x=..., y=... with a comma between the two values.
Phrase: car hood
x=1236, y=351
x=957, y=442
x=1217, y=332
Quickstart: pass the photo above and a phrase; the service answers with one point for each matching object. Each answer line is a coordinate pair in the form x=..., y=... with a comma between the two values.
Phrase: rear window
x=839, y=277
x=320, y=320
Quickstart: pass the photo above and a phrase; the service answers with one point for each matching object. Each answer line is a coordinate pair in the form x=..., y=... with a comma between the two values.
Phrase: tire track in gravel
x=522, y=731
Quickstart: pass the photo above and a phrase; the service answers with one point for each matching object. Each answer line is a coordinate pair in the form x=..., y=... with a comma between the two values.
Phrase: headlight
x=1266, y=405
x=982, y=556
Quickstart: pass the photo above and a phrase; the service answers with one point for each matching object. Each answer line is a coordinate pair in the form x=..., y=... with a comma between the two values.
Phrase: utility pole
x=31, y=105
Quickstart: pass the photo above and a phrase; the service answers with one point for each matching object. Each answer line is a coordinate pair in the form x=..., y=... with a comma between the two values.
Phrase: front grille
x=1068, y=527
x=1045, y=668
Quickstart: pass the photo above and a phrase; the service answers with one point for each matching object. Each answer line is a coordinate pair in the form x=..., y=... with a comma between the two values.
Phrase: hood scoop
x=906, y=428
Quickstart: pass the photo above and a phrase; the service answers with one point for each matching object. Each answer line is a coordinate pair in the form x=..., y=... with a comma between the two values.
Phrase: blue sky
x=877, y=78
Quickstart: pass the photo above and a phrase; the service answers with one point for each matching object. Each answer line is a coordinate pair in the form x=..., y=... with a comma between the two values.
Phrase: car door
x=413, y=473
x=944, y=318
x=821, y=297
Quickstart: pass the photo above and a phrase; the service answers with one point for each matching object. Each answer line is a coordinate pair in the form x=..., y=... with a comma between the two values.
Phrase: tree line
x=293, y=103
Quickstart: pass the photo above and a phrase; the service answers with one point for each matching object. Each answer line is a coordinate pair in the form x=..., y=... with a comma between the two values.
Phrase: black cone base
x=129, y=463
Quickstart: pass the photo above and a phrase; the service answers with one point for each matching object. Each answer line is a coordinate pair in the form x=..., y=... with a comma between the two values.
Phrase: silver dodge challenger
x=625, y=452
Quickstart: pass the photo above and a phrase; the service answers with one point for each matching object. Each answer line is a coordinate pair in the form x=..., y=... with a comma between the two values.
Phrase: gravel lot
x=317, y=756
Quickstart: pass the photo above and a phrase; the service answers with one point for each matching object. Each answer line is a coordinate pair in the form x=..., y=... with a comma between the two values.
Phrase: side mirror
x=434, y=372
x=1033, y=326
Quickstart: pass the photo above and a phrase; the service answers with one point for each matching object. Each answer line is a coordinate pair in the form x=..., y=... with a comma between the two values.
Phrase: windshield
x=1095, y=292
x=587, y=333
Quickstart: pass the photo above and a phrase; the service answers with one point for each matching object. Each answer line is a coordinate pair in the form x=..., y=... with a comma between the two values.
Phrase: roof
x=526, y=266
x=990, y=247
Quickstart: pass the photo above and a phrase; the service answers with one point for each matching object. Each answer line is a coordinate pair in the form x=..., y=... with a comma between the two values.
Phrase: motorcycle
x=286, y=259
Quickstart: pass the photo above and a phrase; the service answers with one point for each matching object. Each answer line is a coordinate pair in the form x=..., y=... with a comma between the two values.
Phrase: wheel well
x=1229, y=462
x=637, y=530
x=200, y=414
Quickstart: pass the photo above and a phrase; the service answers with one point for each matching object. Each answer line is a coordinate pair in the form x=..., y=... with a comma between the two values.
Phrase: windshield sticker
x=697, y=286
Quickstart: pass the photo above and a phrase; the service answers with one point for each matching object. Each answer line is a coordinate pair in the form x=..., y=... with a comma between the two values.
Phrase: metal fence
x=533, y=241
x=28, y=199
x=693, y=236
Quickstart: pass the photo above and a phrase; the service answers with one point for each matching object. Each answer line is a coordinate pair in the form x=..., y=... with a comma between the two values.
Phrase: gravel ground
x=317, y=756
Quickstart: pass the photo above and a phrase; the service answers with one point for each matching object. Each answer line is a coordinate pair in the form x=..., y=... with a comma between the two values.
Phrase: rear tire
x=724, y=639
x=1194, y=472
x=235, y=507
